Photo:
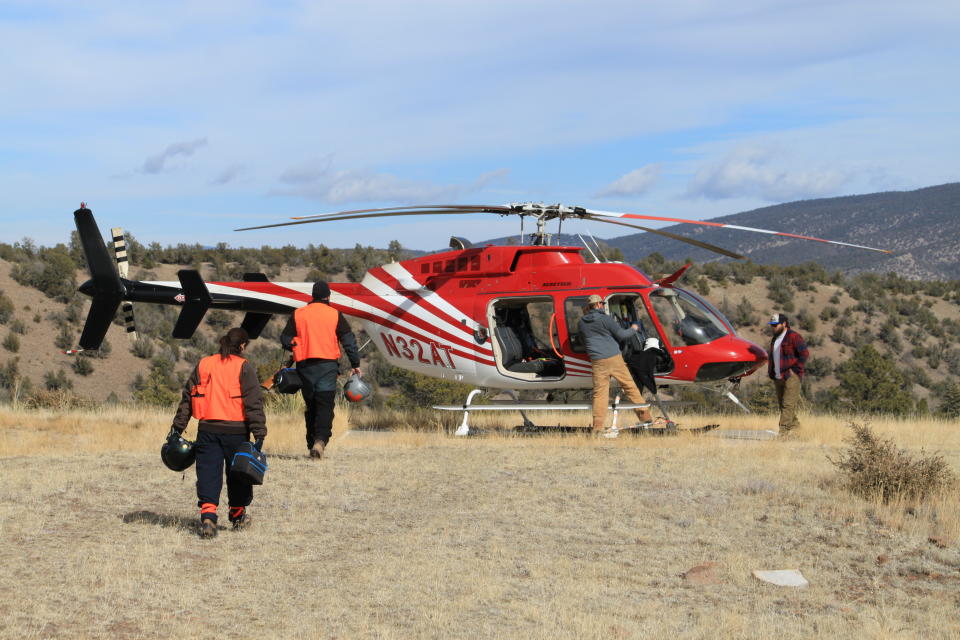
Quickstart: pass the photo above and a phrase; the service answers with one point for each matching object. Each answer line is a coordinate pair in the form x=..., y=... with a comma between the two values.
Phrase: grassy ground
x=419, y=534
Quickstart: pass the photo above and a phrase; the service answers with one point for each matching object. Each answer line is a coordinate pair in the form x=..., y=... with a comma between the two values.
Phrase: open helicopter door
x=523, y=329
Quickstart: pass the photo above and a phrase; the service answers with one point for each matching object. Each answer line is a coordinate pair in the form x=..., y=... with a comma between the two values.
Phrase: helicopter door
x=522, y=330
x=627, y=309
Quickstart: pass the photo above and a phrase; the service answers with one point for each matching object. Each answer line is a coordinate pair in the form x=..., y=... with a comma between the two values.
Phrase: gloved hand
x=258, y=444
x=174, y=432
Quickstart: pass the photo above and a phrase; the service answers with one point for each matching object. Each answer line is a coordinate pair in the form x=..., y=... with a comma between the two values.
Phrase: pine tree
x=950, y=407
x=871, y=383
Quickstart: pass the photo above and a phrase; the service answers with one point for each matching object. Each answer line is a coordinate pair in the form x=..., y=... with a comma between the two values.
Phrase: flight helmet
x=356, y=390
x=177, y=452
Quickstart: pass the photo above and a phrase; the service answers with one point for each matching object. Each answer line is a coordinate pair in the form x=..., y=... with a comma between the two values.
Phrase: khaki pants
x=616, y=368
x=788, y=397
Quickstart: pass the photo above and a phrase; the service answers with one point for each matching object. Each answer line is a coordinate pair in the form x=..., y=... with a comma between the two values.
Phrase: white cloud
x=757, y=172
x=229, y=174
x=157, y=163
x=634, y=183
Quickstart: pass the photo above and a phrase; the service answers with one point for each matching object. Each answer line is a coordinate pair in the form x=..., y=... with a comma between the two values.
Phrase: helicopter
x=499, y=318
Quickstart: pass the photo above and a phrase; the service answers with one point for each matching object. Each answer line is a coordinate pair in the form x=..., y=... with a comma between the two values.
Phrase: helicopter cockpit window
x=628, y=309
x=685, y=319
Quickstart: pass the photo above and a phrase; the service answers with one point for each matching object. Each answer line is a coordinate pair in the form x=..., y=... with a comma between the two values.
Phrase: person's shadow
x=149, y=517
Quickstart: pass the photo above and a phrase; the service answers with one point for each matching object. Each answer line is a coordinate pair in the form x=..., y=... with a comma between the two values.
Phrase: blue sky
x=181, y=121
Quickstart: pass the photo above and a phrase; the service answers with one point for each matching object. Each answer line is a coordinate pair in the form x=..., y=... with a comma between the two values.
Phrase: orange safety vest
x=218, y=396
x=316, y=332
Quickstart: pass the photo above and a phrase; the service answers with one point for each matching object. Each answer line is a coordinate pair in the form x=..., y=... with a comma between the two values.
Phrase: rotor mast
x=542, y=213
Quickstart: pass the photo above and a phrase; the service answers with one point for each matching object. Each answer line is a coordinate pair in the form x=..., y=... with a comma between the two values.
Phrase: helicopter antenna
x=599, y=250
x=521, y=228
x=595, y=259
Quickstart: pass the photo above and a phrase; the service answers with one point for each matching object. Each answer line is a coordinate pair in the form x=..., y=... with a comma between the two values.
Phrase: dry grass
x=419, y=534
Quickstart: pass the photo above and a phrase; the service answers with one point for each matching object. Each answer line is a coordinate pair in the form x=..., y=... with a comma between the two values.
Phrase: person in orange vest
x=315, y=333
x=223, y=393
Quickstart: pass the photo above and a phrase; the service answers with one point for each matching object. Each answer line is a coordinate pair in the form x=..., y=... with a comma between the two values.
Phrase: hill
x=921, y=227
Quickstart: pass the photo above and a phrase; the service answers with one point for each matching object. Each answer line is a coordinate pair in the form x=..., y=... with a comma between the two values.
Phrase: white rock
x=782, y=577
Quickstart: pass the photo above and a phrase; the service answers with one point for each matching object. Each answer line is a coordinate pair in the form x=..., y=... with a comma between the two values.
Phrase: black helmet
x=356, y=390
x=177, y=452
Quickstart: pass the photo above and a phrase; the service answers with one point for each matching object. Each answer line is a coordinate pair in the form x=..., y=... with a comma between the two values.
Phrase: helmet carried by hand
x=177, y=452
x=356, y=390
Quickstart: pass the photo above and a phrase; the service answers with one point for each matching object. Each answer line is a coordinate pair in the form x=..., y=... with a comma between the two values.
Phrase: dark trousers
x=319, y=391
x=214, y=453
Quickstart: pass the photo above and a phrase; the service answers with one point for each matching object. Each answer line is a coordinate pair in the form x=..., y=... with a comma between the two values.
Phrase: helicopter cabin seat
x=514, y=358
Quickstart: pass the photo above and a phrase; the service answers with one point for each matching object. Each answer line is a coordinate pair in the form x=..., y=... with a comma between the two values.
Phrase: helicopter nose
x=737, y=357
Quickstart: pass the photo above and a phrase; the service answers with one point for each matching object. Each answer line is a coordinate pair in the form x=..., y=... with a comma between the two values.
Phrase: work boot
x=242, y=523
x=208, y=528
x=316, y=451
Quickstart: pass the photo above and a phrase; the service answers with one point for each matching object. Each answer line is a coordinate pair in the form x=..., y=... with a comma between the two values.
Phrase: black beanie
x=321, y=290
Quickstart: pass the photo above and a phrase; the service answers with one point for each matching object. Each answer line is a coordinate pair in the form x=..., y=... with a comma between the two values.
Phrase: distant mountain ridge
x=921, y=227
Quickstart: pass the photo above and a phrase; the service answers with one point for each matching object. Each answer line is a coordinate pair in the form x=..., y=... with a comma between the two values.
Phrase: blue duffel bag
x=249, y=464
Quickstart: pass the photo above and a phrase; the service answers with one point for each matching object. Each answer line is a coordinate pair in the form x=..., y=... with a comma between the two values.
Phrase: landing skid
x=634, y=430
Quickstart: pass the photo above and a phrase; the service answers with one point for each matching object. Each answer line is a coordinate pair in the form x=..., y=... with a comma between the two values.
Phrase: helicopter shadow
x=161, y=520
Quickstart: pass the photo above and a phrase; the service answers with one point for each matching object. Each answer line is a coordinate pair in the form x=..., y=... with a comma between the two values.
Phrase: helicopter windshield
x=685, y=319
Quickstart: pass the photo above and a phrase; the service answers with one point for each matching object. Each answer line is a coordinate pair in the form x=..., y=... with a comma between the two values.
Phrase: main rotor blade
x=425, y=208
x=361, y=215
x=697, y=243
x=636, y=216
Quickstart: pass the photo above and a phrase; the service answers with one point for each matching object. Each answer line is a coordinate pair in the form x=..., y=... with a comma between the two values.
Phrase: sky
x=181, y=121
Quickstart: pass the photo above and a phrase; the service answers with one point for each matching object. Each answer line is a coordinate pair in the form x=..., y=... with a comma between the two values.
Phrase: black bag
x=287, y=380
x=249, y=464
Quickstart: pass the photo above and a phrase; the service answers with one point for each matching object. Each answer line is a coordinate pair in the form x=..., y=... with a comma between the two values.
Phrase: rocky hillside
x=914, y=327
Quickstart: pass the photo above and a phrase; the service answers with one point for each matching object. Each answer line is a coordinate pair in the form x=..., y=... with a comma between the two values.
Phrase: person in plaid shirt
x=788, y=353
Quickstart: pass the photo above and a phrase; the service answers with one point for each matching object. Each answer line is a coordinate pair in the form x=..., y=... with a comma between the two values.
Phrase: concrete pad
x=367, y=435
x=782, y=577
x=744, y=434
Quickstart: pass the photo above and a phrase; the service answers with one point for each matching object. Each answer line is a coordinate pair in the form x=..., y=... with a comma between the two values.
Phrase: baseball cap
x=777, y=318
x=594, y=299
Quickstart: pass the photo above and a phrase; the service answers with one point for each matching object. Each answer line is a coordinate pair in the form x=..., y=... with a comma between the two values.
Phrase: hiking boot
x=242, y=523
x=208, y=528
x=316, y=451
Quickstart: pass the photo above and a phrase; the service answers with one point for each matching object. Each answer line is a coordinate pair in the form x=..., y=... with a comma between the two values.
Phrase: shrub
x=82, y=365
x=6, y=308
x=142, y=348
x=64, y=339
x=11, y=343
x=875, y=467
x=57, y=381
x=18, y=327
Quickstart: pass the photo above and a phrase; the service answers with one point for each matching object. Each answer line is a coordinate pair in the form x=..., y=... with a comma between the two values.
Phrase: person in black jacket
x=314, y=334
x=224, y=394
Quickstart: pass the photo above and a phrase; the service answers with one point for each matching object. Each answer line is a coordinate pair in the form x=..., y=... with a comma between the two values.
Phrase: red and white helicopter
x=495, y=317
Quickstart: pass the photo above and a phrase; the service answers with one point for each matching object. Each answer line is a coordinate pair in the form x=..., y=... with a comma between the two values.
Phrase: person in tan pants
x=602, y=337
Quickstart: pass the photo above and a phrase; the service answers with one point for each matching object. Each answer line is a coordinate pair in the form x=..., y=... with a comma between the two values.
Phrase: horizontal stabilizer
x=197, y=301
x=254, y=323
x=102, y=310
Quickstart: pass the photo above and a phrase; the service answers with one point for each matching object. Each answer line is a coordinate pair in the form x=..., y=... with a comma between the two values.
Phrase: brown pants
x=616, y=368
x=788, y=397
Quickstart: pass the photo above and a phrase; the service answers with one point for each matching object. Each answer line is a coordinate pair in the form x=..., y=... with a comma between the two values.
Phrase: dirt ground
x=414, y=534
